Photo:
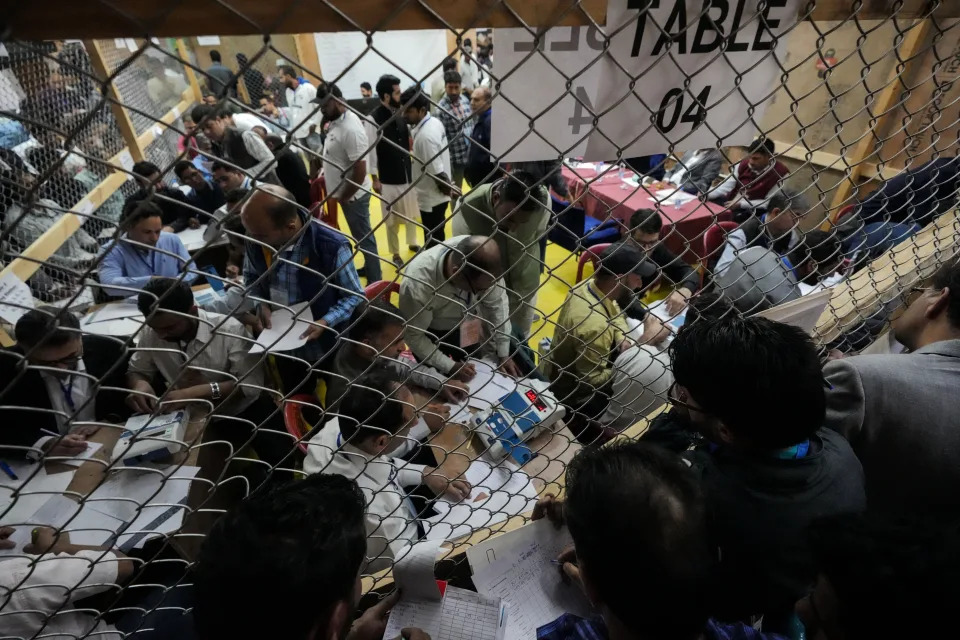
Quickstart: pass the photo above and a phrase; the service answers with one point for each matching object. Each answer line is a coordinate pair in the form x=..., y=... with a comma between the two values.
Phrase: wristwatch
x=215, y=390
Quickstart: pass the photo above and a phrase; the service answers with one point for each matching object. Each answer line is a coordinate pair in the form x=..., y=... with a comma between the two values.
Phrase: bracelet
x=215, y=390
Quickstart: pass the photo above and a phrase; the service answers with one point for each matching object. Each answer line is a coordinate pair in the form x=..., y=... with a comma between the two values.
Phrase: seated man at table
x=759, y=279
x=292, y=258
x=752, y=181
x=142, y=253
x=755, y=390
x=453, y=298
x=375, y=415
x=203, y=195
x=375, y=338
x=778, y=229
x=591, y=330
x=694, y=171
x=229, y=178
x=645, y=228
x=636, y=496
x=69, y=378
x=310, y=539
x=204, y=359
x=514, y=211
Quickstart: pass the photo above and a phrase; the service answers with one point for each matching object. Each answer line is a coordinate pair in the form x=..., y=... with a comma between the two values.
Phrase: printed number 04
x=672, y=102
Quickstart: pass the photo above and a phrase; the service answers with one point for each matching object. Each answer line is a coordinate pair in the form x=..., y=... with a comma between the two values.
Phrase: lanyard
x=600, y=300
x=67, y=391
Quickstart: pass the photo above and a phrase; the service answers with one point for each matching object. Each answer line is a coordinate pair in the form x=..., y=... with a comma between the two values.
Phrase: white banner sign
x=683, y=74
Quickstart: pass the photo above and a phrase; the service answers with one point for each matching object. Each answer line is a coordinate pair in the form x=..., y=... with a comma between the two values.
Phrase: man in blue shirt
x=481, y=167
x=653, y=578
x=290, y=259
x=144, y=251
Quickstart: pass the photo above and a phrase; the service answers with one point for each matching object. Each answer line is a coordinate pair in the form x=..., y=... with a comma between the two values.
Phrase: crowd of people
x=773, y=492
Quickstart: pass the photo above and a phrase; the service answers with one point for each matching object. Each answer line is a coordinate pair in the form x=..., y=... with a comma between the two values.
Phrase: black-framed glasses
x=68, y=361
x=680, y=399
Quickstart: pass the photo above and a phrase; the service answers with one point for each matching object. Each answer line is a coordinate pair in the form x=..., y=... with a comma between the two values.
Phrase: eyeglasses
x=67, y=361
x=679, y=398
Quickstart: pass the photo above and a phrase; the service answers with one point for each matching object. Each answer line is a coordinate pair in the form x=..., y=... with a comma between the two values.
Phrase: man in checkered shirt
x=454, y=112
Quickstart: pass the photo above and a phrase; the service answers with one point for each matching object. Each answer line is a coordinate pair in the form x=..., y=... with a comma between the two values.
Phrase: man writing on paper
x=67, y=379
x=375, y=417
x=142, y=253
x=290, y=259
x=204, y=359
x=310, y=538
x=454, y=301
x=375, y=338
x=651, y=498
x=514, y=211
x=591, y=330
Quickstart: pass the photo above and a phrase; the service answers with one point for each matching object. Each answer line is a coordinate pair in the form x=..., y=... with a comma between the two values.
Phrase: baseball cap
x=622, y=259
x=324, y=91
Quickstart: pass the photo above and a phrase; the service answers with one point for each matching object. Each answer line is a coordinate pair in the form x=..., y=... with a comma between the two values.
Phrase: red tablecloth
x=683, y=226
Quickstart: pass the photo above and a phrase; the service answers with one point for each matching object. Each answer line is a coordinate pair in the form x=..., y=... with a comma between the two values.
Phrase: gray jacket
x=899, y=413
x=756, y=280
x=699, y=175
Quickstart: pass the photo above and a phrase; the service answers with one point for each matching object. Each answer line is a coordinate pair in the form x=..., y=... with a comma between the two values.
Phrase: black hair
x=215, y=55
x=948, y=277
x=181, y=167
x=310, y=540
x=414, y=98
x=366, y=85
x=762, y=379
x=822, y=247
x=46, y=326
x=452, y=77
x=385, y=85
x=145, y=169
x=327, y=89
x=235, y=196
x=788, y=198
x=219, y=165
x=646, y=220
x=893, y=578
x=449, y=64
x=762, y=145
x=370, y=407
x=288, y=70
x=371, y=318
x=648, y=498
x=623, y=258
x=165, y=294
x=275, y=140
x=708, y=304
x=139, y=211
x=201, y=111
x=521, y=189
x=467, y=42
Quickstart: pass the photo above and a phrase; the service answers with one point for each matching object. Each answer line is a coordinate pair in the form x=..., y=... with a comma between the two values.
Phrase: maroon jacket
x=759, y=185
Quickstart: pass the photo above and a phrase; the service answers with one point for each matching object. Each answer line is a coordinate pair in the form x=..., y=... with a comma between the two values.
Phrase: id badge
x=471, y=332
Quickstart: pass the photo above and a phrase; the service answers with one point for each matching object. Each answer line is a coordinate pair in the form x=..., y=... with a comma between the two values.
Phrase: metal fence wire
x=177, y=213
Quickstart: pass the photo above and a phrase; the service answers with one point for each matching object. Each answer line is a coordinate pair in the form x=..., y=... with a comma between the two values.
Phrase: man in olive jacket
x=515, y=214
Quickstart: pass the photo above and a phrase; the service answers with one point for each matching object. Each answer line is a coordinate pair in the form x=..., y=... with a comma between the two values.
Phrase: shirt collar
x=421, y=123
x=204, y=328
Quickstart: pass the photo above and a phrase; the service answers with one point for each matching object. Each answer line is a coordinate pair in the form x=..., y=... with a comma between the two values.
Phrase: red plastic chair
x=293, y=417
x=715, y=236
x=832, y=221
x=380, y=288
x=592, y=255
x=318, y=193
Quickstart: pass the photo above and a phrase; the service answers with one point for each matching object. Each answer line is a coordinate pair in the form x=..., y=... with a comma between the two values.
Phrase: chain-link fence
x=205, y=291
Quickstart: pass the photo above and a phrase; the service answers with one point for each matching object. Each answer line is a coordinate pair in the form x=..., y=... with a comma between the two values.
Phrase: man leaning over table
x=453, y=298
x=514, y=211
x=55, y=379
x=290, y=259
x=143, y=252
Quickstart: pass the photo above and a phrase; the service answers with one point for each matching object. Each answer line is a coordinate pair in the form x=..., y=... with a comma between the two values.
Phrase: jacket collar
x=949, y=348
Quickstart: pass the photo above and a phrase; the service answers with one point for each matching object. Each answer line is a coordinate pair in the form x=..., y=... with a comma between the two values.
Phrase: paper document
x=498, y=492
x=285, y=332
x=33, y=485
x=489, y=385
x=803, y=312
x=196, y=239
x=672, y=320
x=517, y=568
x=207, y=297
x=676, y=197
x=413, y=571
x=130, y=491
x=80, y=458
x=461, y=615
x=15, y=298
x=114, y=319
x=84, y=525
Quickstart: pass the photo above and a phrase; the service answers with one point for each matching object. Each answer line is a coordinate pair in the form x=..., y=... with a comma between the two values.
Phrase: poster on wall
x=346, y=59
x=675, y=76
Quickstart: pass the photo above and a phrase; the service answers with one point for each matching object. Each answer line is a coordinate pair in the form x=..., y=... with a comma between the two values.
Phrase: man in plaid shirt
x=454, y=112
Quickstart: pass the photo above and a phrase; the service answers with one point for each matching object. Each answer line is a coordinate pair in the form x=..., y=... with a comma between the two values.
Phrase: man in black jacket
x=291, y=171
x=645, y=226
x=755, y=390
x=178, y=212
x=54, y=377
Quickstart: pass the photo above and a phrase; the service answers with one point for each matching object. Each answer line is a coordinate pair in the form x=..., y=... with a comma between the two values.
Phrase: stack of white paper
x=114, y=319
x=286, y=328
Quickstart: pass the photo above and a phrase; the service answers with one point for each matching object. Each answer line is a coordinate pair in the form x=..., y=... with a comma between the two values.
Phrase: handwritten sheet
x=287, y=327
x=80, y=458
x=15, y=298
x=461, y=615
x=517, y=568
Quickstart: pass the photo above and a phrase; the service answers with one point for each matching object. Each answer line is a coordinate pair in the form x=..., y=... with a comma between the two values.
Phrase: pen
x=7, y=470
